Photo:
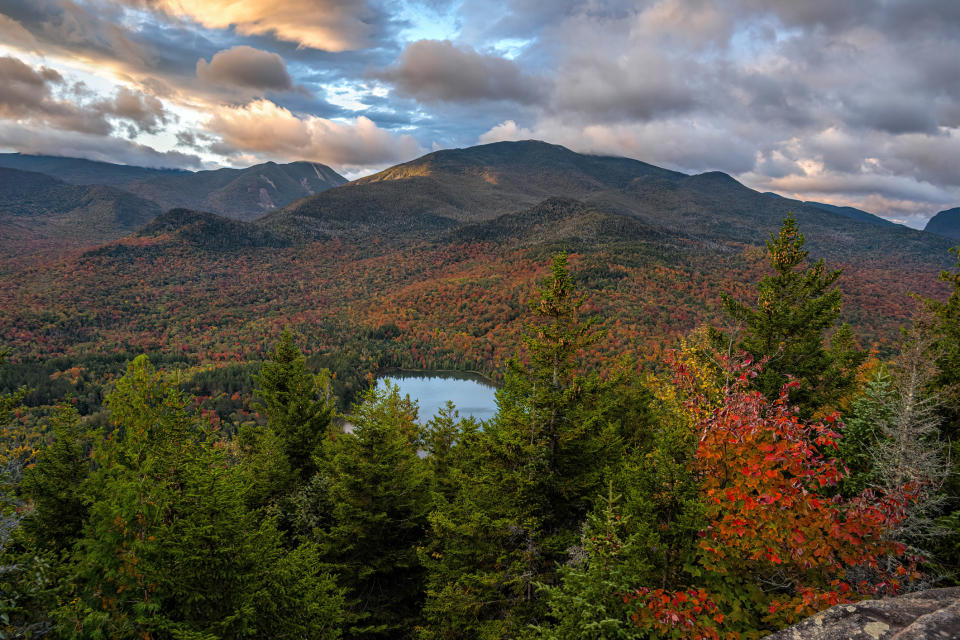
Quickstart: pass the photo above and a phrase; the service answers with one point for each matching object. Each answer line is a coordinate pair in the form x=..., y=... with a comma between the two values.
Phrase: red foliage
x=779, y=544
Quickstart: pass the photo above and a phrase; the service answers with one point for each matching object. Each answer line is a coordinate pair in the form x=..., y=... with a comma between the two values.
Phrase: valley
x=430, y=264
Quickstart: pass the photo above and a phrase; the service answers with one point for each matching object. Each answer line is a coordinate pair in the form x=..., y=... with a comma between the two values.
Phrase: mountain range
x=240, y=194
x=423, y=264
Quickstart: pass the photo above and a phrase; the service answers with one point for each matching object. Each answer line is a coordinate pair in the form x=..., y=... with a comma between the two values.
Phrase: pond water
x=473, y=395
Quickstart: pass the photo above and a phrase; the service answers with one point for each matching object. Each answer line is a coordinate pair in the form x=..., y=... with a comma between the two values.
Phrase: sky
x=851, y=102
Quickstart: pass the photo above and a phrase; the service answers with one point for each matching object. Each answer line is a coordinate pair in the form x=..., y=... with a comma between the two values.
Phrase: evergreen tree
x=946, y=382
x=442, y=436
x=863, y=429
x=28, y=577
x=644, y=532
x=548, y=412
x=379, y=492
x=289, y=396
x=54, y=485
x=795, y=309
x=170, y=548
x=588, y=601
x=527, y=481
x=947, y=351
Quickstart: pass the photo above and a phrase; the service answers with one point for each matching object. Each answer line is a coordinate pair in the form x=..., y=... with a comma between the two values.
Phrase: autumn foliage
x=779, y=543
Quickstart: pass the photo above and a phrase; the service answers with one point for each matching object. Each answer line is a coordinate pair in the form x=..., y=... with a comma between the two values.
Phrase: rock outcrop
x=925, y=615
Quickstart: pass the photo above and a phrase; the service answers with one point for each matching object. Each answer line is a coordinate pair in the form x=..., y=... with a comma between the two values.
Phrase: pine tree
x=795, y=309
x=289, y=396
x=947, y=351
x=170, y=547
x=54, y=485
x=528, y=480
x=379, y=492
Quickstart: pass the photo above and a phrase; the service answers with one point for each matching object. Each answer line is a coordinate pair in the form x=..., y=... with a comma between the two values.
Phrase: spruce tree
x=170, y=548
x=379, y=492
x=442, y=436
x=946, y=354
x=54, y=485
x=289, y=397
x=947, y=351
x=528, y=479
x=796, y=307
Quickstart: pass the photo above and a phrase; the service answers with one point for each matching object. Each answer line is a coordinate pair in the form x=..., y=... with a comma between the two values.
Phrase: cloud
x=505, y=131
x=263, y=128
x=28, y=96
x=244, y=66
x=840, y=98
x=145, y=112
x=42, y=96
x=675, y=144
x=40, y=140
x=330, y=25
x=13, y=34
x=440, y=71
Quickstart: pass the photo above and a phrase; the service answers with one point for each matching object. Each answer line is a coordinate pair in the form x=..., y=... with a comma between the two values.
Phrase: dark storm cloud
x=245, y=66
x=440, y=71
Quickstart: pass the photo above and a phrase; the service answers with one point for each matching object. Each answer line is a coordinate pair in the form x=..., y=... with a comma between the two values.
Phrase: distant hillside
x=210, y=231
x=558, y=220
x=80, y=171
x=946, y=223
x=37, y=210
x=445, y=189
x=465, y=185
x=849, y=212
x=242, y=194
x=429, y=264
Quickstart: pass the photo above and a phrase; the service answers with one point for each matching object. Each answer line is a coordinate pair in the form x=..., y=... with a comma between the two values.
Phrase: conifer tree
x=528, y=479
x=946, y=382
x=947, y=351
x=795, y=309
x=170, y=548
x=289, y=396
x=28, y=584
x=54, y=485
x=547, y=411
x=442, y=436
x=379, y=492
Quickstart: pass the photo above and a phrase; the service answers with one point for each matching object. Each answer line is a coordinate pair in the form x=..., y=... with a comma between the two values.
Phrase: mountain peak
x=946, y=223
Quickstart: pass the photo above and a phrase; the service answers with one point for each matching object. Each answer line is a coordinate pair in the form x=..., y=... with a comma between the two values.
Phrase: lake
x=473, y=395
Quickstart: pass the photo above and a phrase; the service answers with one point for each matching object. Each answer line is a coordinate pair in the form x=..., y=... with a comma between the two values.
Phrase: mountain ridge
x=428, y=196
x=35, y=207
x=946, y=223
x=243, y=194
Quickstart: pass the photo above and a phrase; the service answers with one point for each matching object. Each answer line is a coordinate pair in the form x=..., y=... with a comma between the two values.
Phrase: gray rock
x=925, y=615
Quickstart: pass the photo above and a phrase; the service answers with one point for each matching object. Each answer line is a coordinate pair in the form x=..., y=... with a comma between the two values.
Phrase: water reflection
x=473, y=395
